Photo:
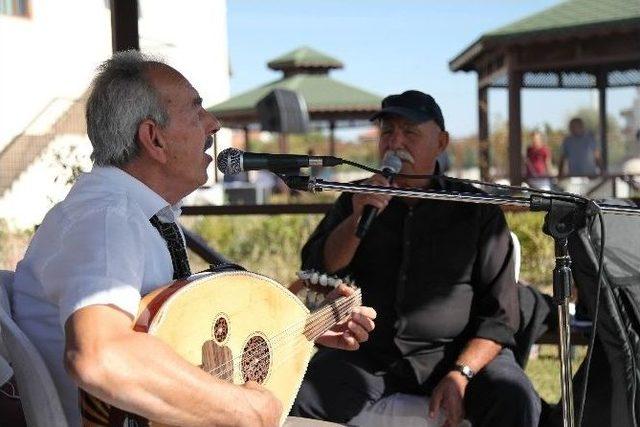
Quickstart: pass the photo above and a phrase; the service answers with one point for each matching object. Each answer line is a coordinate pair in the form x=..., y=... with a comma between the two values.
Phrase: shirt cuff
x=497, y=331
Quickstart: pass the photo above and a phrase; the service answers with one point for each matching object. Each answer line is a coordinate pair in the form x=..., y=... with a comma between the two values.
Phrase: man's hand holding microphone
x=367, y=206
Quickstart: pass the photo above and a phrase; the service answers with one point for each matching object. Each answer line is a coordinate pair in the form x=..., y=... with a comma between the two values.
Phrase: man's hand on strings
x=349, y=333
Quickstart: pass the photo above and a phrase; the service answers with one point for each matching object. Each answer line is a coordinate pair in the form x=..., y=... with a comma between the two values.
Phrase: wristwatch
x=464, y=370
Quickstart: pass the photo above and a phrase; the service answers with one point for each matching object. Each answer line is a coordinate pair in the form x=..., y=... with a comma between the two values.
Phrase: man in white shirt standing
x=78, y=288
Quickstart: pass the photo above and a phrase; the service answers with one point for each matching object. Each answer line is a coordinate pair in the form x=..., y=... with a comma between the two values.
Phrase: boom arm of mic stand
x=309, y=183
x=534, y=203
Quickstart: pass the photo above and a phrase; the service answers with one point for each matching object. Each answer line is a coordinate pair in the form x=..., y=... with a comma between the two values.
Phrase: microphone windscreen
x=391, y=162
x=229, y=161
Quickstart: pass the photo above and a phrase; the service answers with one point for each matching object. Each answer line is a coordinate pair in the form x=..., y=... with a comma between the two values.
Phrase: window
x=14, y=7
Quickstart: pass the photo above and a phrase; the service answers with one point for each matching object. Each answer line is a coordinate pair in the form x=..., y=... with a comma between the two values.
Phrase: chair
x=517, y=255
x=38, y=394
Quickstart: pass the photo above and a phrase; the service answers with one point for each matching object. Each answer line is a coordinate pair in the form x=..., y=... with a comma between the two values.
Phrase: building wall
x=45, y=181
x=47, y=61
x=192, y=36
x=50, y=55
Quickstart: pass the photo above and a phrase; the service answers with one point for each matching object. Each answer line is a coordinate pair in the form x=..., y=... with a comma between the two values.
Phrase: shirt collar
x=149, y=201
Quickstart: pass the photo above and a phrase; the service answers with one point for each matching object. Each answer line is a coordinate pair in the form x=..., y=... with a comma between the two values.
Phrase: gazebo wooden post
x=483, y=132
x=332, y=138
x=601, y=83
x=245, y=129
x=515, y=128
x=124, y=25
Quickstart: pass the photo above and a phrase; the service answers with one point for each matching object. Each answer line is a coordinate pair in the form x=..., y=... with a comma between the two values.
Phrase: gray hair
x=121, y=98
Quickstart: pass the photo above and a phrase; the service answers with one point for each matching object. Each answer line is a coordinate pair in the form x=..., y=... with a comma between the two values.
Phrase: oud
x=237, y=326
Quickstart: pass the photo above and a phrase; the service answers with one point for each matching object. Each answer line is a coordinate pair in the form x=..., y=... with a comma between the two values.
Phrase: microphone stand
x=565, y=214
x=562, y=219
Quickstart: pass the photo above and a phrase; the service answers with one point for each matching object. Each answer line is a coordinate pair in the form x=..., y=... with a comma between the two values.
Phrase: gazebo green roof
x=319, y=92
x=571, y=14
x=575, y=44
x=326, y=98
x=304, y=57
x=569, y=17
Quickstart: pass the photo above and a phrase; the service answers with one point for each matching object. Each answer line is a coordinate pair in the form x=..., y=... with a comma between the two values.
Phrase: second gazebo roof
x=306, y=72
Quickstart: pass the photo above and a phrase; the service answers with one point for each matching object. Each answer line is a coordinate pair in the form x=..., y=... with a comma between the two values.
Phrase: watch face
x=465, y=370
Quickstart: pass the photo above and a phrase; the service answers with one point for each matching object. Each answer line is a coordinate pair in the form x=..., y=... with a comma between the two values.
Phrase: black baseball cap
x=413, y=105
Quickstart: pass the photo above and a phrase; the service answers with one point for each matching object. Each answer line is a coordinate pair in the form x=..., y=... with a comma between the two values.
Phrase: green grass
x=544, y=371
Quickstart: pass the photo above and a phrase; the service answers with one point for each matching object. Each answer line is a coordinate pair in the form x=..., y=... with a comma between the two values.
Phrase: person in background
x=538, y=162
x=580, y=154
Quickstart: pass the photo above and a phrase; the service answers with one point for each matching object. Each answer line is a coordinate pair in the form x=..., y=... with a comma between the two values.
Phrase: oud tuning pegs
x=304, y=274
x=317, y=284
x=314, y=277
x=331, y=282
x=322, y=280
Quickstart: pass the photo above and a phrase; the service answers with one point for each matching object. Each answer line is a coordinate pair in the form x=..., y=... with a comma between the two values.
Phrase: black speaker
x=283, y=110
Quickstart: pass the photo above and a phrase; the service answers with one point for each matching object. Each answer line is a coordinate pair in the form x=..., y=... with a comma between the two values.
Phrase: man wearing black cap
x=440, y=275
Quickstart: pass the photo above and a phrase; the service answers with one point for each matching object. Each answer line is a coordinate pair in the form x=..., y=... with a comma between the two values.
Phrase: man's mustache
x=404, y=155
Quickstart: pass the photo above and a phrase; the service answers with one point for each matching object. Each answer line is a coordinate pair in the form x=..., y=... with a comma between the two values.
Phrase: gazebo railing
x=596, y=184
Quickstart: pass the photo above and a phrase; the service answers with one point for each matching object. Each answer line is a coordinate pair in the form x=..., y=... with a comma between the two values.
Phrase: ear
x=443, y=140
x=151, y=142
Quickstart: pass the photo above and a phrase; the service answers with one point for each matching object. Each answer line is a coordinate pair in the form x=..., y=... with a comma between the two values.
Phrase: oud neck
x=323, y=319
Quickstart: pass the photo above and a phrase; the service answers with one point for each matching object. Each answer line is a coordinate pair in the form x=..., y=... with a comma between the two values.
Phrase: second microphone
x=391, y=165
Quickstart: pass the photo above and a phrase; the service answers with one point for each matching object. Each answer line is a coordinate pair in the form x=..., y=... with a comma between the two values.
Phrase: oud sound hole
x=255, y=360
x=220, y=330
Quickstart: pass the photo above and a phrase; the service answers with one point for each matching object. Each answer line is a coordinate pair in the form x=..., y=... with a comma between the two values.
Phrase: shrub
x=268, y=245
x=13, y=244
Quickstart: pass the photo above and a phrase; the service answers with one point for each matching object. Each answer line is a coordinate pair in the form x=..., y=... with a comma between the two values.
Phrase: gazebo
x=581, y=44
x=305, y=71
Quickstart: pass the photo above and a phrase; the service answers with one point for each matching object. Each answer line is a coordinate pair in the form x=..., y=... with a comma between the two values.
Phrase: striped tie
x=170, y=232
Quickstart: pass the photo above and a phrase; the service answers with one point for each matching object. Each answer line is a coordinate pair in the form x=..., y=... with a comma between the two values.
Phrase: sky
x=391, y=46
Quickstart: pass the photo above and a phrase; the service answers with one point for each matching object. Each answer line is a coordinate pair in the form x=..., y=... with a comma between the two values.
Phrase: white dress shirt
x=95, y=247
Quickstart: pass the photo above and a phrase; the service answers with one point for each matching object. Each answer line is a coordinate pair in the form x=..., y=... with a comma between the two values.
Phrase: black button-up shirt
x=438, y=273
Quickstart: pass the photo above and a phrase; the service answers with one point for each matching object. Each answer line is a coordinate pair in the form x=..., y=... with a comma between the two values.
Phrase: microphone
x=232, y=161
x=391, y=165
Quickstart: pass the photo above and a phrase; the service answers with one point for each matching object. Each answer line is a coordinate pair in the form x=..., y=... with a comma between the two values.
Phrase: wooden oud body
x=237, y=325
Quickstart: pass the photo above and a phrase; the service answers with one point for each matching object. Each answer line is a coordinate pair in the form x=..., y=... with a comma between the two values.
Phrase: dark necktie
x=170, y=232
